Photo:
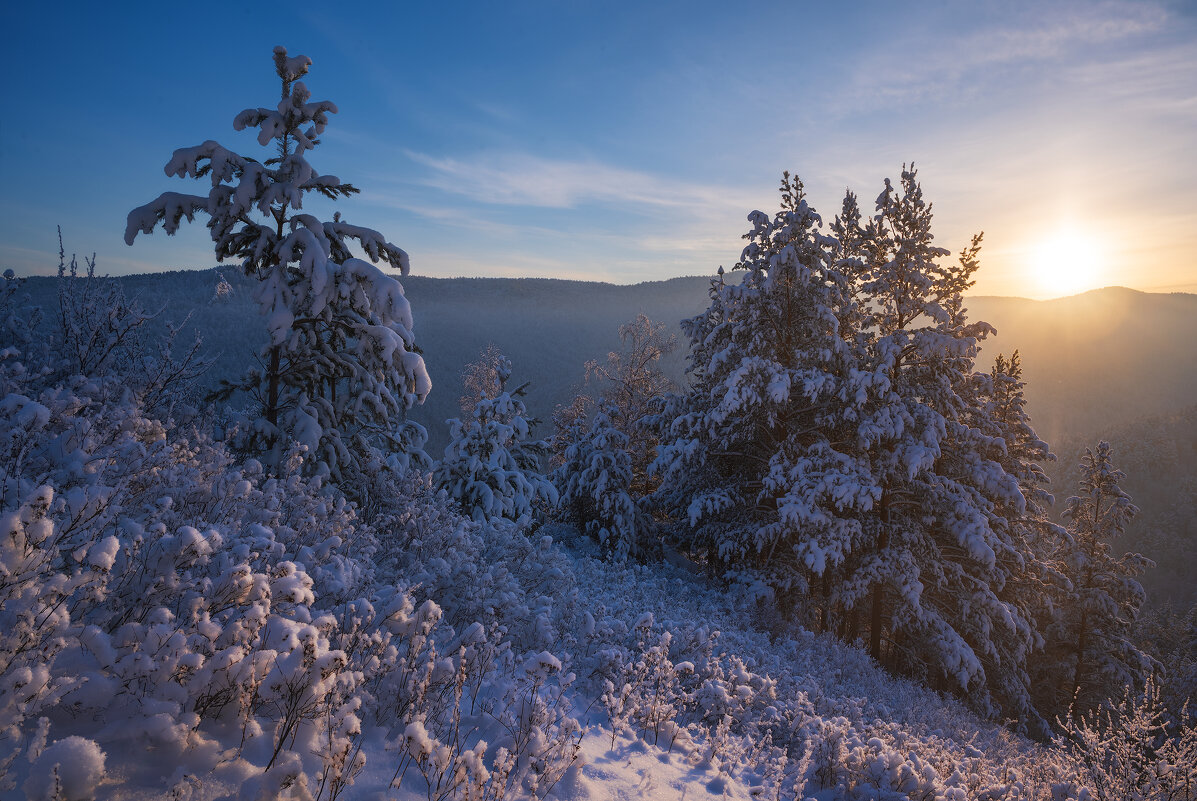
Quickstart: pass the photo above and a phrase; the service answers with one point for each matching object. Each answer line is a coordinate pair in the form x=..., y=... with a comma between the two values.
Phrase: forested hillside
x=1109, y=364
x=1094, y=363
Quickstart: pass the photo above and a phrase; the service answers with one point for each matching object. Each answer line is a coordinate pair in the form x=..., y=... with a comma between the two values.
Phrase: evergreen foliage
x=595, y=484
x=1090, y=655
x=1035, y=582
x=341, y=367
x=631, y=379
x=757, y=455
x=491, y=464
x=838, y=452
x=937, y=548
x=602, y=450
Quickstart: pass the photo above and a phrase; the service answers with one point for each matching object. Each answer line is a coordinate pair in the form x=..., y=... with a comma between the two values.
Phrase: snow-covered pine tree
x=759, y=457
x=941, y=549
x=631, y=380
x=341, y=368
x=491, y=464
x=602, y=449
x=837, y=445
x=595, y=484
x=1034, y=580
x=1090, y=656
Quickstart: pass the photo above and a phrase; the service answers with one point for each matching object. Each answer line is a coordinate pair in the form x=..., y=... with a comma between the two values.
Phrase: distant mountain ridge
x=1096, y=361
x=1092, y=361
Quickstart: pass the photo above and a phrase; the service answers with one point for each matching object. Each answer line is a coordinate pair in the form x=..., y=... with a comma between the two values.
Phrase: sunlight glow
x=1067, y=262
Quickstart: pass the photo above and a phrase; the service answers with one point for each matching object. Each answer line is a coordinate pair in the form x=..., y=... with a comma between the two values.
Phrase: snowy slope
x=870, y=731
x=177, y=623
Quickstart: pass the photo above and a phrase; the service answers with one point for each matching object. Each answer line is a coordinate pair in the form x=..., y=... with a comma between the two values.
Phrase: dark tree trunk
x=1077, y=673
x=272, y=387
x=851, y=627
x=825, y=611
x=876, y=615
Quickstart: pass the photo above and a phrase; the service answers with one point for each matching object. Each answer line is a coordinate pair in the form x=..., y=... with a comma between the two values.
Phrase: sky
x=626, y=142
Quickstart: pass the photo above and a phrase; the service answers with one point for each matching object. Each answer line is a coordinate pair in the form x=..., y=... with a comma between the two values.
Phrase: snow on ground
x=635, y=769
x=820, y=686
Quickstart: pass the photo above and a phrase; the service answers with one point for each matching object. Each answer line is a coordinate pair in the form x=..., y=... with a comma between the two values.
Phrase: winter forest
x=805, y=543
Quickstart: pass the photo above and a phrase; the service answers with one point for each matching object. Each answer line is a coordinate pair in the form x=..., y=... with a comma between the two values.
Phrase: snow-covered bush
x=98, y=331
x=798, y=715
x=1134, y=749
x=69, y=770
x=178, y=576
x=151, y=581
x=185, y=607
x=35, y=625
x=494, y=575
x=538, y=730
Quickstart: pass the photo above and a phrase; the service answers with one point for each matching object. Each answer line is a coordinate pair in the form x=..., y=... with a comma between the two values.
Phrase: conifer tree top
x=341, y=366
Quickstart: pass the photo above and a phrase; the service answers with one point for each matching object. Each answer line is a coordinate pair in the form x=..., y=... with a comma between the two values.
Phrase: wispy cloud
x=524, y=180
x=1029, y=36
x=677, y=226
x=1050, y=32
x=1163, y=80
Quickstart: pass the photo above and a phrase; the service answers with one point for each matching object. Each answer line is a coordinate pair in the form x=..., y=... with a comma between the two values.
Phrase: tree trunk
x=1074, y=690
x=875, y=623
x=851, y=627
x=825, y=612
x=272, y=388
x=876, y=616
x=272, y=401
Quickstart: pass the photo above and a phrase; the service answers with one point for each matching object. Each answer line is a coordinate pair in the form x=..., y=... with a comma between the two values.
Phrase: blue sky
x=627, y=141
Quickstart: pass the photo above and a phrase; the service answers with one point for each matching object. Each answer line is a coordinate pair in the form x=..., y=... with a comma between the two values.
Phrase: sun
x=1067, y=262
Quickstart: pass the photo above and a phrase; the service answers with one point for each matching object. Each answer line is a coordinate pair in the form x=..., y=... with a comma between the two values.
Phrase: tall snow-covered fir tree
x=759, y=456
x=940, y=549
x=341, y=367
x=491, y=464
x=1034, y=581
x=1090, y=654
